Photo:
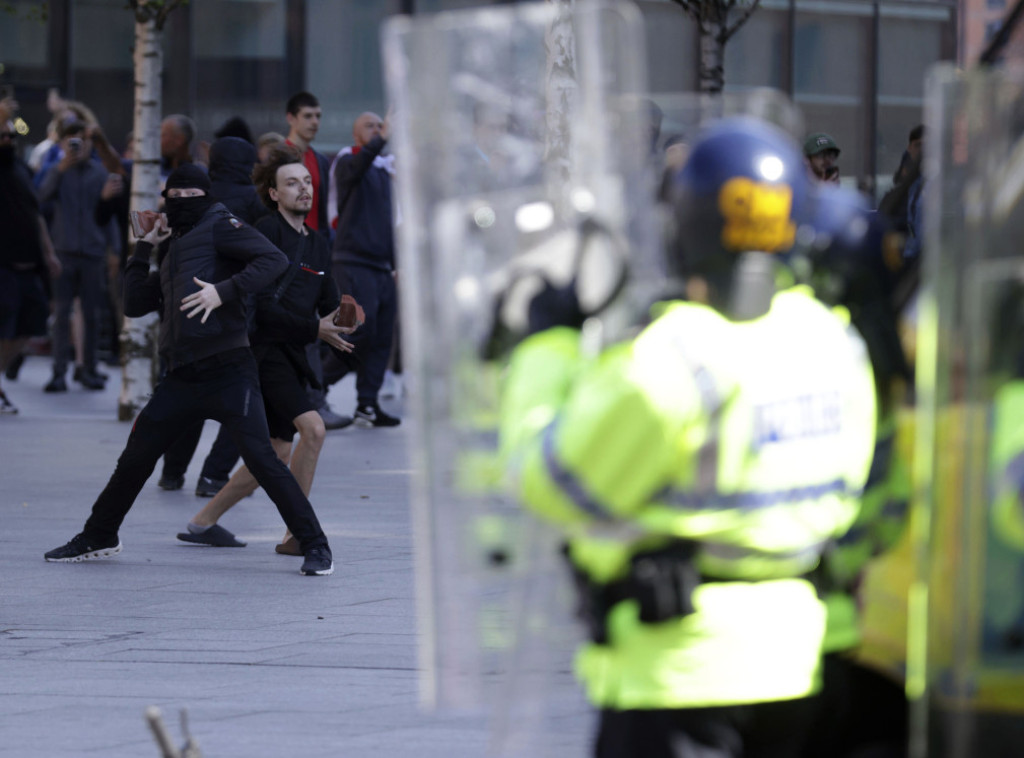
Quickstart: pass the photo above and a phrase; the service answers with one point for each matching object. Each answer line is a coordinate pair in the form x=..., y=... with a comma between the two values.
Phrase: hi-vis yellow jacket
x=753, y=438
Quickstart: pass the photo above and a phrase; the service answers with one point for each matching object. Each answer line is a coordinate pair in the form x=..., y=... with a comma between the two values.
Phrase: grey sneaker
x=84, y=548
x=319, y=562
x=333, y=420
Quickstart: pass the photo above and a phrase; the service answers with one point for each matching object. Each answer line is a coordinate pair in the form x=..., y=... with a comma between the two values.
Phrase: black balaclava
x=183, y=213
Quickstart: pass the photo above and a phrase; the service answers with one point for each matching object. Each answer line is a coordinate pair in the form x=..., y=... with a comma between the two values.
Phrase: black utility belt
x=661, y=582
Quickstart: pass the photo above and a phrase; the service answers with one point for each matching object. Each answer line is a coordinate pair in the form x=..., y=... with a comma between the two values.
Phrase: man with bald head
x=177, y=133
x=363, y=259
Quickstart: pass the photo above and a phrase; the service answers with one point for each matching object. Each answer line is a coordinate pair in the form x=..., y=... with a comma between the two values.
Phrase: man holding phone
x=822, y=152
x=77, y=186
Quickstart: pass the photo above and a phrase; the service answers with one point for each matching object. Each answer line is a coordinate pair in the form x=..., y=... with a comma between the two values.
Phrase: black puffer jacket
x=231, y=163
x=221, y=250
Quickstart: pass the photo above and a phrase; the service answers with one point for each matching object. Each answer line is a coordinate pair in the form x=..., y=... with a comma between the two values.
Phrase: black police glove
x=555, y=306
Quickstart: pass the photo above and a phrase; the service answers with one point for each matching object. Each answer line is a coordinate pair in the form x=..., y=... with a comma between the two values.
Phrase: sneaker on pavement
x=84, y=548
x=392, y=386
x=207, y=487
x=333, y=420
x=171, y=482
x=369, y=416
x=7, y=408
x=319, y=562
x=57, y=384
x=215, y=536
x=89, y=379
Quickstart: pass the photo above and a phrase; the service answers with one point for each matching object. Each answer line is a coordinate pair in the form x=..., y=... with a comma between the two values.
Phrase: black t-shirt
x=19, y=218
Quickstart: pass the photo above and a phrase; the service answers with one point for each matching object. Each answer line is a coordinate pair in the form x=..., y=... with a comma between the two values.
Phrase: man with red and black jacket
x=212, y=262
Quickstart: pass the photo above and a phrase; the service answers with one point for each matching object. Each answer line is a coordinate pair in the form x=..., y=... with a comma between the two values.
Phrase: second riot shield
x=966, y=641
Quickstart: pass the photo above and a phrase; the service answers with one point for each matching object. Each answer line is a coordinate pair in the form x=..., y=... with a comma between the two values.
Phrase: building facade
x=856, y=67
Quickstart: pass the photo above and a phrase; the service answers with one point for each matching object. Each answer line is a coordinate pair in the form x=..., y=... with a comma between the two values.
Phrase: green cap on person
x=819, y=142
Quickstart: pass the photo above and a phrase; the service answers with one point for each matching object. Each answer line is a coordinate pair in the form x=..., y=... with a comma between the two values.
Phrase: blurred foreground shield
x=522, y=137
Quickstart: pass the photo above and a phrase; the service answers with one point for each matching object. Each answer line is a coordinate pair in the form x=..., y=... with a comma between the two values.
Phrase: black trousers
x=80, y=275
x=225, y=388
x=758, y=730
x=859, y=713
x=374, y=289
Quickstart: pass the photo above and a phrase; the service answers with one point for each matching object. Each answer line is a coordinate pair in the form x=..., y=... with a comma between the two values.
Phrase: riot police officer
x=698, y=470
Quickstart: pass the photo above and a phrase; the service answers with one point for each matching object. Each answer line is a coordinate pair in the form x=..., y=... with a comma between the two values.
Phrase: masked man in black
x=212, y=262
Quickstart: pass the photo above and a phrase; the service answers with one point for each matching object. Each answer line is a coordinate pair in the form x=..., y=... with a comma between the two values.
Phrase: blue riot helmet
x=738, y=202
x=843, y=242
x=850, y=249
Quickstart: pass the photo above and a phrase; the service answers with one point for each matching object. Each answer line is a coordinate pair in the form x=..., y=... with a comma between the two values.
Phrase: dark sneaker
x=84, y=548
x=171, y=482
x=7, y=408
x=318, y=562
x=89, y=379
x=207, y=487
x=57, y=384
x=333, y=420
x=215, y=536
x=369, y=416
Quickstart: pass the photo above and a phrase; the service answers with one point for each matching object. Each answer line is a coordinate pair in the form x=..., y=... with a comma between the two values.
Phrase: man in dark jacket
x=26, y=256
x=363, y=258
x=231, y=163
x=76, y=186
x=212, y=262
x=295, y=311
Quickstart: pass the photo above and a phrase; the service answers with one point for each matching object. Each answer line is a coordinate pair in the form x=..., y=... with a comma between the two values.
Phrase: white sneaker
x=392, y=386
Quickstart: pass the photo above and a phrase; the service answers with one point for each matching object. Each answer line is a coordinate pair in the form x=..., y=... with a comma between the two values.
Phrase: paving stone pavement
x=267, y=662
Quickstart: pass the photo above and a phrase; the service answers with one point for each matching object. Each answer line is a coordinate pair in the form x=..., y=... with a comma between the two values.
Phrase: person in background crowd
x=26, y=255
x=822, y=152
x=76, y=186
x=364, y=261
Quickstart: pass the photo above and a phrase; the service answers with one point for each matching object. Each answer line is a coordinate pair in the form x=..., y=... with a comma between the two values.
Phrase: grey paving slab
x=267, y=662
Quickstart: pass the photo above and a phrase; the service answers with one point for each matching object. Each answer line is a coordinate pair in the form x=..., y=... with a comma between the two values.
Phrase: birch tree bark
x=139, y=335
x=717, y=21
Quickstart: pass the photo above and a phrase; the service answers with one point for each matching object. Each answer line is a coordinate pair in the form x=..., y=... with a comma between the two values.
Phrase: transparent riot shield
x=522, y=138
x=966, y=640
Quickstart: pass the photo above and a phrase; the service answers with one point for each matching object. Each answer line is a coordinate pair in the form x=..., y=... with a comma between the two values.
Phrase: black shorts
x=24, y=306
x=284, y=394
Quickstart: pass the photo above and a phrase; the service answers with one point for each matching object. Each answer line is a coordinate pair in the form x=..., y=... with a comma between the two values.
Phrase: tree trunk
x=561, y=88
x=139, y=335
x=712, y=56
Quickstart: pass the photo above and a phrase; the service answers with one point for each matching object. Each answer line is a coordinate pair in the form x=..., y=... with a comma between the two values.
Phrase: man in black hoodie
x=364, y=261
x=212, y=262
x=231, y=163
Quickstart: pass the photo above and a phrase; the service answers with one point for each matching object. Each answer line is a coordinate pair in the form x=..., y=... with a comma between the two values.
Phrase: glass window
x=239, y=28
x=239, y=64
x=103, y=73
x=910, y=42
x=753, y=56
x=107, y=20
x=831, y=77
x=24, y=35
x=343, y=63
